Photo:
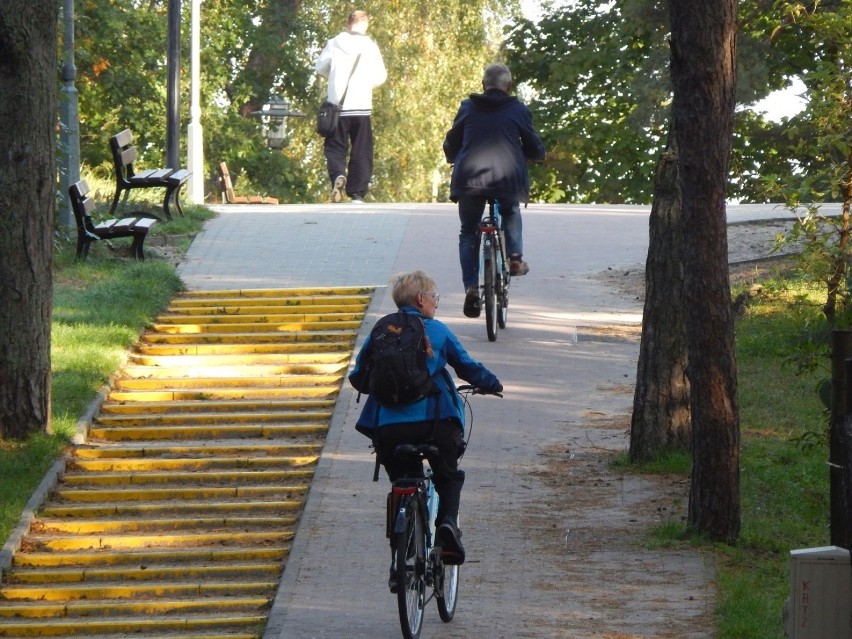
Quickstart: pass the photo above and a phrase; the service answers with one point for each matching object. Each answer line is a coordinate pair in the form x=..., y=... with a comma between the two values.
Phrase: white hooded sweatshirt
x=336, y=62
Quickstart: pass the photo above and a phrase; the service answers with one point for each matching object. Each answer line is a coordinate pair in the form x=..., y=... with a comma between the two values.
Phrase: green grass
x=784, y=478
x=99, y=309
x=100, y=306
x=783, y=475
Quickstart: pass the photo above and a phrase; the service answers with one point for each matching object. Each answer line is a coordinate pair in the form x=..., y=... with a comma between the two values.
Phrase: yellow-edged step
x=175, y=518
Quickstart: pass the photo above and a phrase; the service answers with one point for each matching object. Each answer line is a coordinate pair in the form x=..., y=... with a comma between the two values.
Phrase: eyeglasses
x=435, y=297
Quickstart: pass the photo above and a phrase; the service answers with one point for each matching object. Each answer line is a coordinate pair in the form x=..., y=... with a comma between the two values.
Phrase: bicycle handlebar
x=476, y=391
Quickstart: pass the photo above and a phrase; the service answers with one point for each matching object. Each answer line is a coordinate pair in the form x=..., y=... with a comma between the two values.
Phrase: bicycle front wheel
x=490, y=280
x=449, y=595
x=411, y=572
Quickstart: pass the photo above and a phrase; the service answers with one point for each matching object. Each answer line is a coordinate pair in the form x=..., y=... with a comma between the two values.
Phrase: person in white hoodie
x=351, y=52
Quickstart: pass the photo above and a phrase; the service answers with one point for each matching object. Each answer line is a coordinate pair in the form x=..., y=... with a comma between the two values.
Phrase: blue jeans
x=471, y=210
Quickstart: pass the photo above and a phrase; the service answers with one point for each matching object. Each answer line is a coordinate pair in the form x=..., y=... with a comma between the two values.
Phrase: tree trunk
x=28, y=79
x=703, y=76
x=278, y=18
x=661, y=414
x=837, y=285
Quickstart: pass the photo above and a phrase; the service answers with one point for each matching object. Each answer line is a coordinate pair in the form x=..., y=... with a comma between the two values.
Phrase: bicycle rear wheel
x=449, y=596
x=410, y=562
x=490, y=280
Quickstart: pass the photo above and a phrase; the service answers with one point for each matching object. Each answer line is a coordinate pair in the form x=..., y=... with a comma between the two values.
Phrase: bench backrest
x=123, y=153
x=82, y=205
x=227, y=185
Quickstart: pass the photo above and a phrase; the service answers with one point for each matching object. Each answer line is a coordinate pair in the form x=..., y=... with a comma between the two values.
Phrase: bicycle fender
x=399, y=523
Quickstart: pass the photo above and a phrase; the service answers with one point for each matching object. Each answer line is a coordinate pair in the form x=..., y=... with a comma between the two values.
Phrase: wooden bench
x=136, y=226
x=127, y=178
x=228, y=190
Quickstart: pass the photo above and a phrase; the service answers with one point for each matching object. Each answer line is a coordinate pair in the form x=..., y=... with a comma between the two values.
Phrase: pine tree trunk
x=661, y=414
x=28, y=79
x=703, y=75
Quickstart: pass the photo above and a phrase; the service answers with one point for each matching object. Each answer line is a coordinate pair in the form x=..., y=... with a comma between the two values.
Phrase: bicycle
x=494, y=274
x=416, y=563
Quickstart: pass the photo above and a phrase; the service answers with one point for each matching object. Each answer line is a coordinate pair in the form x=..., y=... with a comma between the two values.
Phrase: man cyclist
x=489, y=143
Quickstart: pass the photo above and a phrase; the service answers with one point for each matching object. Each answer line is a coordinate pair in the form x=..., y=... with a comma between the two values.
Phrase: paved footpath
x=532, y=571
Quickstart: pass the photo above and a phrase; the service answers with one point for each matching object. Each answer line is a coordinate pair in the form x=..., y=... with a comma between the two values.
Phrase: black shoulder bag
x=329, y=112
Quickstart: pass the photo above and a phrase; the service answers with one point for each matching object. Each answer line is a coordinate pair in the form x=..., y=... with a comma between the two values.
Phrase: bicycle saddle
x=419, y=451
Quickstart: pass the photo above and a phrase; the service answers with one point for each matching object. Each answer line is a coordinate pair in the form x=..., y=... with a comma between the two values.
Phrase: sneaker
x=472, y=306
x=357, y=200
x=337, y=190
x=449, y=539
x=518, y=267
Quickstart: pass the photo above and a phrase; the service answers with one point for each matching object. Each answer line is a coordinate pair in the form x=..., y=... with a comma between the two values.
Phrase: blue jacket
x=446, y=403
x=489, y=143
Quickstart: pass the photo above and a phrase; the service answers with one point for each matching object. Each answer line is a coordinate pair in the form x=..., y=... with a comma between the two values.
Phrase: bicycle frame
x=412, y=493
x=491, y=231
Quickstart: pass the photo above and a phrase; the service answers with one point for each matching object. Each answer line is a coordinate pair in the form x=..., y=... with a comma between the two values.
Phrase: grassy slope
x=100, y=306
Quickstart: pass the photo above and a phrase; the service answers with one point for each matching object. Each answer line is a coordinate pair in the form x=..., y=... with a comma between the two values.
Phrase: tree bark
x=661, y=413
x=28, y=80
x=703, y=76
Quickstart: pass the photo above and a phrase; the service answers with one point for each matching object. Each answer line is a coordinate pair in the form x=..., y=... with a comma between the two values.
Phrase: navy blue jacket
x=446, y=403
x=491, y=139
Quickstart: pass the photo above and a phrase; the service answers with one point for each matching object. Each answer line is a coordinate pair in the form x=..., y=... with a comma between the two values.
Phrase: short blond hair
x=405, y=287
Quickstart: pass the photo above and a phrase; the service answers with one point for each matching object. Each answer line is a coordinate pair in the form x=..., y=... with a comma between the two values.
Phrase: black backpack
x=393, y=370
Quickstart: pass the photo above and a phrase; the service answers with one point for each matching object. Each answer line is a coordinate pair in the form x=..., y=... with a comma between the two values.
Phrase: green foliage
x=435, y=52
x=599, y=76
x=818, y=39
x=824, y=257
x=601, y=87
x=120, y=54
x=819, y=164
x=596, y=77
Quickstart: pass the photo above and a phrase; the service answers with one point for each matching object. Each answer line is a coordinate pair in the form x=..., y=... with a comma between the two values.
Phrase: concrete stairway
x=175, y=518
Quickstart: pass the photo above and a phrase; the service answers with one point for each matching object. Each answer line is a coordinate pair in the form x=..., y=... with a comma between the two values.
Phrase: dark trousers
x=447, y=437
x=471, y=209
x=356, y=131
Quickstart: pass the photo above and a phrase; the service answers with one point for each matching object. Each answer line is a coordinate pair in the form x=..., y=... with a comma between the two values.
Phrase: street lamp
x=274, y=116
x=69, y=118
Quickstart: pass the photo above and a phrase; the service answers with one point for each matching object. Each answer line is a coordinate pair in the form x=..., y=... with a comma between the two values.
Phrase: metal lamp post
x=195, y=133
x=69, y=116
x=173, y=85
